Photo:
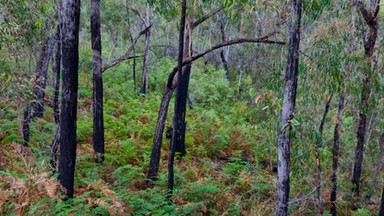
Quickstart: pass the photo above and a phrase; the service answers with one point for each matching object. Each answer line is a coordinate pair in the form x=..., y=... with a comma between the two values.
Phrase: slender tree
x=144, y=76
x=98, y=120
x=318, y=158
x=339, y=118
x=284, y=139
x=70, y=16
x=371, y=18
x=177, y=124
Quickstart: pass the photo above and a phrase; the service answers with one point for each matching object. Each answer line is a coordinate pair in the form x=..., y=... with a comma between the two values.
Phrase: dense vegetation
x=233, y=119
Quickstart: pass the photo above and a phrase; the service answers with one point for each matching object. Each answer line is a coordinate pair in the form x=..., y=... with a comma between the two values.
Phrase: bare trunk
x=222, y=53
x=177, y=119
x=370, y=18
x=98, y=118
x=158, y=137
x=144, y=78
x=56, y=68
x=70, y=16
x=284, y=139
x=335, y=153
x=318, y=159
x=41, y=76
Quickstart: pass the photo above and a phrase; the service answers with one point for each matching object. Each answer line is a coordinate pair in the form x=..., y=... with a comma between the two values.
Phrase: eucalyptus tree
x=70, y=17
x=370, y=17
x=173, y=79
x=287, y=113
x=98, y=119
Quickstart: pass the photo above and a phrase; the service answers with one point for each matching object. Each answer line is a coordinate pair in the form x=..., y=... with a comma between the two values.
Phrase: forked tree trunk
x=371, y=19
x=98, y=119
x=284, y=140
x=70, y=16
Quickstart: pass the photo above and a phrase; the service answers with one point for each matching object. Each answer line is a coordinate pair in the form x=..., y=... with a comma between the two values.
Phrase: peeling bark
x=284, y=139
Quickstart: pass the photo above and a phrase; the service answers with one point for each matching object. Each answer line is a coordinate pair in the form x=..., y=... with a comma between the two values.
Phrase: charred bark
x=318, y=159
x=40, y=77
x=70, y=15
x=56, y=68
x=284, y=139
x=335, y=153
x=98, y=118
x=26, y=124
x=176, y=120
x=158, y=137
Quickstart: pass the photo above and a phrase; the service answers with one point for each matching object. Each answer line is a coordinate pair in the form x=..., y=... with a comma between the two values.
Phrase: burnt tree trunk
x=371, y=19
x=98, y=120
x=40, y=77
x=318, y=159
x=26, y=124
x=335, y=153
x=222, y=52
x=70, y=15
x=158, y=137
x=56, y=68
x=284, y=139
x=144, y=76
x=178, y=100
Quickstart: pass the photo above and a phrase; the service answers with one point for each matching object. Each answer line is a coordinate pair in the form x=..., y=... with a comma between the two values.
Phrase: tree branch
x=363, y=11
x=207, y=16
x=126, y=55
x=224, y=44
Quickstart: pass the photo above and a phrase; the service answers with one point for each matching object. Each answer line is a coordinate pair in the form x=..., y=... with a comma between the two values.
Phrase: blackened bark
x=56, y=68
x=98, y=119
x=70, y=15
x=318, y=159
x=144, y=76
x=284, y=140
x=41, y=76
x=176, y=119
x=335, y=153
x=371, y=19
x=26, y=124
x=381, y=211
x=158, y=137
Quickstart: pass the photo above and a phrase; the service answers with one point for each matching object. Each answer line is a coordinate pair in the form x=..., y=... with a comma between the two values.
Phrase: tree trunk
x=26, y=124
x=98, y=120
x=381, y=211
x=284, y=140
x=369, y=45
x=222, y=52
x=41, y=76
x=158, y=137
x=70, y=15
x=335, y=153
x=178, y=100
x=318, y=159
x=144, y=77
x=56, y=67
